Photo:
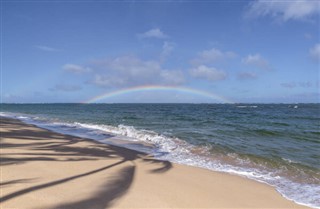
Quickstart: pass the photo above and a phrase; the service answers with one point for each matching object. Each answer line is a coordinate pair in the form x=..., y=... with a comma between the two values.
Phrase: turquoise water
x=278, y=144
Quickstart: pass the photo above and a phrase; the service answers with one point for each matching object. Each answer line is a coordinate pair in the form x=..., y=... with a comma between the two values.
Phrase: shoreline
x=63, y=171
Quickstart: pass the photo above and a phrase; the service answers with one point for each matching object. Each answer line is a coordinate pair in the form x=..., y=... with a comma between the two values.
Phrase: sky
x=239, y=51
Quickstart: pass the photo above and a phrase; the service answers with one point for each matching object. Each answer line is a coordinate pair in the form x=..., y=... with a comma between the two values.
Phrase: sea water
x=278, y=144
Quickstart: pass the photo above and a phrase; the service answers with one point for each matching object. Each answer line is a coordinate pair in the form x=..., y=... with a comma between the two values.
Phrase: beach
x=44, y=169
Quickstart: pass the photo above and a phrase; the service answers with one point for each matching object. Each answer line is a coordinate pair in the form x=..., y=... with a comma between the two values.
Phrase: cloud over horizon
x=266, y=48
x=77, y=69
x=293, y=84
x=246, y=75
x=125, y=71
x=65, y=88
x=284, y=10
x=258, y=61
x=167, y=48
x=211, y=56
x=208, y=73
x=153, y=33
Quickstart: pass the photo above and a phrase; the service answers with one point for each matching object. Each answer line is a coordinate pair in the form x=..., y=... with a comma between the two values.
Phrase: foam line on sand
x=44, y=169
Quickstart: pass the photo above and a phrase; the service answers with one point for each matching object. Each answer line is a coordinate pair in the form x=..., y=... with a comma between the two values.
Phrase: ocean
x=278, y=144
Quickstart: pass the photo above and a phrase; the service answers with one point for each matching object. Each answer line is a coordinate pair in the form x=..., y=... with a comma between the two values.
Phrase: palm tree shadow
x=166, y=165
x=54, y=183
x=108, y=192
x=17, y=181
x=114, y=188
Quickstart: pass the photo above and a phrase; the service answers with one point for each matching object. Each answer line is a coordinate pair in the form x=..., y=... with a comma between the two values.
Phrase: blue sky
x=246, y=51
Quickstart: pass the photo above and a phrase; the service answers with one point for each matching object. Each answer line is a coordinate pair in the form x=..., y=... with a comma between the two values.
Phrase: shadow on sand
x=44, y=145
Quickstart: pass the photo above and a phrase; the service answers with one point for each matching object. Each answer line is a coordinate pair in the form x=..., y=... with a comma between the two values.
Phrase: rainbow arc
x=159, y=88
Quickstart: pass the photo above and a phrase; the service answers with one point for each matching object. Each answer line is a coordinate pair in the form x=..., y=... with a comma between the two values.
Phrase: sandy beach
x=43, y=169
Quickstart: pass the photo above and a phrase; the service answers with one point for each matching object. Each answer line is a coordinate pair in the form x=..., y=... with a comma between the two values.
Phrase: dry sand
x=46, y=170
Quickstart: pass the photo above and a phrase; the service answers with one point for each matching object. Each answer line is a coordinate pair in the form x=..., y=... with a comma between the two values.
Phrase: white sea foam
x=179, y=151
x=245, y=106
x=3, y=114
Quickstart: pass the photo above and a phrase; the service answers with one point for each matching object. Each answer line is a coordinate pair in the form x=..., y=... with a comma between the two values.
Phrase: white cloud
x=284, y=10
x=208, y=73
x=131, y=71
x=167, y=48
x=153, y=33
x=7, y=97
x=291, y=85
x=65, y=87
x=76, y=68
x=46, y=48
x=257, y=60
x=246, y=75
x=132, y=67
x=315, y=52
x=172, y=77
x=108, y=81
x=211, y=56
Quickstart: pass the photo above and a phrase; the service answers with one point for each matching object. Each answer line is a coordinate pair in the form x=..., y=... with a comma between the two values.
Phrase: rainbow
x=158, y=88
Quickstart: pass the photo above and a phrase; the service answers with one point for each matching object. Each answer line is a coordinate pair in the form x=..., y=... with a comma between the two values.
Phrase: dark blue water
x=274, y=143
